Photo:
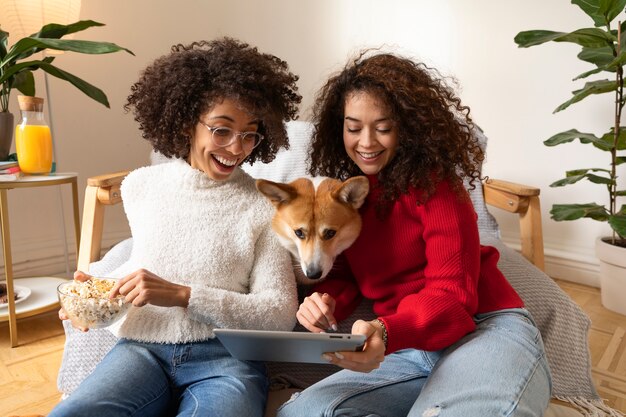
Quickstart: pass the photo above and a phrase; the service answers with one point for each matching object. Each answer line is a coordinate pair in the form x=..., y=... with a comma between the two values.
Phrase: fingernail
x=327, y=358
x=339, y=355
x=334, y=327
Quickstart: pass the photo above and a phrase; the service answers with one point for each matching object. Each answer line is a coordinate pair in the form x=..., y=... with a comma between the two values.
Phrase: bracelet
x=382, y=325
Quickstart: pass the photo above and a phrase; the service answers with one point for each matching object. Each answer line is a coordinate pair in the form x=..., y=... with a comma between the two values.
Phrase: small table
x=43, y=289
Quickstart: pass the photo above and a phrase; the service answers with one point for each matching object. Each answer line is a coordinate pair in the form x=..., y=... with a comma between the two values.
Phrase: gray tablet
x=276, y=346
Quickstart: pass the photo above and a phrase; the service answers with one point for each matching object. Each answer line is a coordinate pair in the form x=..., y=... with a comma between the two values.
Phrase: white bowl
x=88, y=305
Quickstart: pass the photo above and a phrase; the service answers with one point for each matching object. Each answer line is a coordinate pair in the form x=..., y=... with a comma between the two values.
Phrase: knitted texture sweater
x=213, y=236
x=424, y=268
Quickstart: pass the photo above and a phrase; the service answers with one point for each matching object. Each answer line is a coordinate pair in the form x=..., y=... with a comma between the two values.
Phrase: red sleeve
x=441, y=312
x=340, y=285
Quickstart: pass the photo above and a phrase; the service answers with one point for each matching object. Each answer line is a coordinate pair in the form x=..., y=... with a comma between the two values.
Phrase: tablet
x=277, y=346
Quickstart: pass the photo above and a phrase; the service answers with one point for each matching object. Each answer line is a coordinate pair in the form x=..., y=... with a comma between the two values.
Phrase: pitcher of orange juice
x=33, y=141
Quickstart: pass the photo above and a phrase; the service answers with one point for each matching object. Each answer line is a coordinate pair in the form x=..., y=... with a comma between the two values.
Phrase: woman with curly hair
x=452, y=337
x=203, y=255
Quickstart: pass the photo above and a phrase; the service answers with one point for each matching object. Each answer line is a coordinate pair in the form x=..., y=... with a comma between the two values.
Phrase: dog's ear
x=276, y=192
x=353, y=191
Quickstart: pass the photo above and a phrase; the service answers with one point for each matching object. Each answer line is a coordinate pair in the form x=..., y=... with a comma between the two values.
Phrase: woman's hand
x=373, y=352
x=316, y=313
x=143, y=287
x=82, y=277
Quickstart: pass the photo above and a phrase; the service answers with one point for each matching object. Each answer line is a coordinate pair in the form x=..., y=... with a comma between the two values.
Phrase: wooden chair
x=524, y=201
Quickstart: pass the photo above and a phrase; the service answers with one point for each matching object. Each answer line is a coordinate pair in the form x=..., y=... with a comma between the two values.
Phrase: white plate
x=22, y=294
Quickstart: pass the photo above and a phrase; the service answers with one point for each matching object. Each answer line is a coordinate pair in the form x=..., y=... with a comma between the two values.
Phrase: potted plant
x=17, y=66
x=604, y=46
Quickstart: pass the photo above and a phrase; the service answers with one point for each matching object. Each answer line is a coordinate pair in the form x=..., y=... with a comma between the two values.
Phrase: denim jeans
x=150, y=379
x=500, y=369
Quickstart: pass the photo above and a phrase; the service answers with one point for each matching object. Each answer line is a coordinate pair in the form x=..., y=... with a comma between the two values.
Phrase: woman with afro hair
x=452, y=337
x=204, y=255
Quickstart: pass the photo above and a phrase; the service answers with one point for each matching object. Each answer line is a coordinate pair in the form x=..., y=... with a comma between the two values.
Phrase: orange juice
x=33, y=144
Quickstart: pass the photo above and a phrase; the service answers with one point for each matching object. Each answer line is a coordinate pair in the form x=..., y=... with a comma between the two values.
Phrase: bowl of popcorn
x=87, y=303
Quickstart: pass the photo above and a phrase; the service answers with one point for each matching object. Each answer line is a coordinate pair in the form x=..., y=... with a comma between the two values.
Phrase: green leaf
x=611, y=8
x=89, y=89
x=588, y=73
x=611, y=66
x=569, y=136
x=592, y=9
x=618, y=223
x=589, y=37
x=597, y=56
x=609, y=140
x=601, y=11
x=83, y=47
x=620, y=193
x=528, y=38
x=25, y=45
x=572, y=177
x=25, y=83
x=56, y=31
x=4, y=41
x=620, y=160
x=596, y=179
x=617, y=62
x=584, y=171
x=561, y=212
x=567, y=181
x=17, y=68
x=592, y=87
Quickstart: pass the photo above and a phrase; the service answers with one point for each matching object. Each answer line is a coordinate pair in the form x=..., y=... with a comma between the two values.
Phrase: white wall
x=512, y=93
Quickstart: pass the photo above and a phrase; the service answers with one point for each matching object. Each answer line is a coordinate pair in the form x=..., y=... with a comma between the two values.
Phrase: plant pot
x=612, y=275
x=6, y=134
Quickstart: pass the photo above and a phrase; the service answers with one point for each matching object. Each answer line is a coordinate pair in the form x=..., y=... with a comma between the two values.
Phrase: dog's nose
x=314, y=274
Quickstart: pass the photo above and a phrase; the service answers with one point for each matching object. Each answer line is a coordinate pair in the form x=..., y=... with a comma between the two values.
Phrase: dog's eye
x=299, y=233
x=329, y=234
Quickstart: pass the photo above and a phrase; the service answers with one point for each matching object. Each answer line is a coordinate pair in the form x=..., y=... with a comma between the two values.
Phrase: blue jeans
x=151, y=379
x=500, y=369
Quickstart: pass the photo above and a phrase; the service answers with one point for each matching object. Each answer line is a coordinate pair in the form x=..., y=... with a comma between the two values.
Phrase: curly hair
x=176, y=89
x=435, y=142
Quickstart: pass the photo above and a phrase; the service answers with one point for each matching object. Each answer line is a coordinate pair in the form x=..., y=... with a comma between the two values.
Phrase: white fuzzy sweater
x=213, y=236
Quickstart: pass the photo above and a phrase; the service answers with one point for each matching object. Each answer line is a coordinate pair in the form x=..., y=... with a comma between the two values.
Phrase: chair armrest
x=101, y=190
x=523, y=200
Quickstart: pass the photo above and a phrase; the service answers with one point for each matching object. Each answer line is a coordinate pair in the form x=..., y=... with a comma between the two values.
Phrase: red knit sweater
x=424, y=268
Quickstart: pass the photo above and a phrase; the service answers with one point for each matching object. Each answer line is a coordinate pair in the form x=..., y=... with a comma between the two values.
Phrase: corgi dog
x=316, y=219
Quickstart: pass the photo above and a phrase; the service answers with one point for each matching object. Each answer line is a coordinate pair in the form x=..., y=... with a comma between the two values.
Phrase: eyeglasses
x=225, y=136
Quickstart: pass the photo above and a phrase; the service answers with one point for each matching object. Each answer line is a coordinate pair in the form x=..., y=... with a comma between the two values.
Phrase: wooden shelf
x=43, y=297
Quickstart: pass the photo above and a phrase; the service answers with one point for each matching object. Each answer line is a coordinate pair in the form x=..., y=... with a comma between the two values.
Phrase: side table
x=43, y=296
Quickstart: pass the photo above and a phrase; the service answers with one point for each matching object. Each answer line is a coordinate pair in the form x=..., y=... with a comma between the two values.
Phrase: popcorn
x=88, y=303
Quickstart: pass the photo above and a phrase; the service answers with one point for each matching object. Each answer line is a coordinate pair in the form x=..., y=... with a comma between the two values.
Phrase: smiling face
x=369, y=133
x=220, y=162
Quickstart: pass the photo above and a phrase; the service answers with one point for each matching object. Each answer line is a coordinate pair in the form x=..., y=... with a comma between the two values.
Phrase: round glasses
x=225, y=136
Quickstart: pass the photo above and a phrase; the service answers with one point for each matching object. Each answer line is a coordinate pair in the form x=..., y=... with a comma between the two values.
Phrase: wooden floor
x=28, y=372
x=606, y=342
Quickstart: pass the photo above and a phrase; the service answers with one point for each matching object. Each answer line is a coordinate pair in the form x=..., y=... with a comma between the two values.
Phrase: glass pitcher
x=33, y=141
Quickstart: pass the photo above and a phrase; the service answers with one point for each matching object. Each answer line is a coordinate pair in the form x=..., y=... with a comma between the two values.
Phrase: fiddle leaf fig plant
x=17, y=66
x=604, y=46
